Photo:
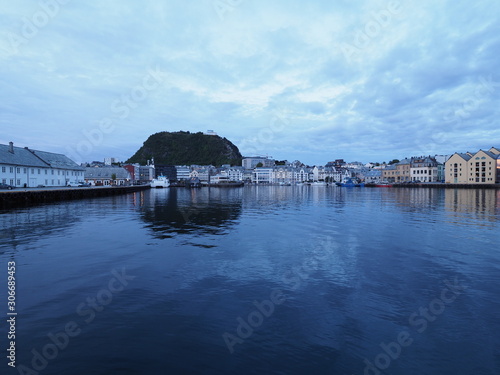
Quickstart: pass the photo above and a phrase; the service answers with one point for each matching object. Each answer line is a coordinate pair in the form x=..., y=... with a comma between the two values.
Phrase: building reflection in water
x=168, y=212
x=472, y=204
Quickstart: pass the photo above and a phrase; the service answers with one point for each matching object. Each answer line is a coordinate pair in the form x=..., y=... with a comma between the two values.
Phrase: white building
x=23, y=167
x=235, y=173
x=251, y=163
x=424, y=169
x=262, y=175
x=109, y=161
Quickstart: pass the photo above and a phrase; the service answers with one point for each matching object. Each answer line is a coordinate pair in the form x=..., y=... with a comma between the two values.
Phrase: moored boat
x=383, y=184
x=160, y=182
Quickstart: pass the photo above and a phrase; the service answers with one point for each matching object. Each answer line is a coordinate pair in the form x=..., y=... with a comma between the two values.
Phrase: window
x=25, y=170
x=46, y=171
x=11, y=169
x=12, y=181
x=32, y=170
x=18, y=170
x=39, y=171
x=3, y=170
x=4, y=180
x=18, y=182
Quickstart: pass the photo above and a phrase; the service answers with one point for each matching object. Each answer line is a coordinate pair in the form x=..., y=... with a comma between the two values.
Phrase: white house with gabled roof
x=24, y=167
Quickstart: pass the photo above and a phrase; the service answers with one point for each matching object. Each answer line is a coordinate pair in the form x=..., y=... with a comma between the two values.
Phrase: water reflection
x=464, y=205
x=24, y=225
x=179, y=211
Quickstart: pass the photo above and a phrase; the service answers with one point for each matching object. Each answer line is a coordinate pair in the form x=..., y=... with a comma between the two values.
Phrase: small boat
x=383, y=184
x=350, y=183
x=160, y=182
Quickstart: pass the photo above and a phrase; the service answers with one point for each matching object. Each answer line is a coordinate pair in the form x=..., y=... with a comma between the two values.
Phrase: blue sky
x=313, y=81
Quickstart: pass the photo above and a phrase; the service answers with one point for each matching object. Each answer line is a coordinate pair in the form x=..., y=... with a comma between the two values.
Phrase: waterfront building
x=262, y=175
x=389, y=173
x=133, y=169
x=24, y=167
x=456, y=169
x=403, y=170
x=146, y=173
x=482, y=167
x=373, y=176
x=424, y=169
x=235, y=173
x=107, y=176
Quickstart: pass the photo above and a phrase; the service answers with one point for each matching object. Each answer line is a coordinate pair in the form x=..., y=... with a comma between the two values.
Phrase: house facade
x=482, y=167
x=107, y=176
x=424, y=169
x=24, y=167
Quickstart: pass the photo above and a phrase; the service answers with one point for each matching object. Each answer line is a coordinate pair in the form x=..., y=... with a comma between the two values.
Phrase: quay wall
x=449, y=186
x=30, y=197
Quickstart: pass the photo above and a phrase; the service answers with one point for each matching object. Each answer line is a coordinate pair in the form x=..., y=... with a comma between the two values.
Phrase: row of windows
x=39, y=171
x=18, y=182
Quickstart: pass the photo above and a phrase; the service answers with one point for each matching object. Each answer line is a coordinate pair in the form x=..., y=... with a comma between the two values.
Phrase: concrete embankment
x=30, y=197
x=449, y=186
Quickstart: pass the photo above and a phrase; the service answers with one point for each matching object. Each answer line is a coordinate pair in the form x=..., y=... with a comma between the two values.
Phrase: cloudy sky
x=314, y=81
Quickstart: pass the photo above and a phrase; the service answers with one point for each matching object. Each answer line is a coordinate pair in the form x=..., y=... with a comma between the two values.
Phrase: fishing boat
x=160, y=182
x=350, y=183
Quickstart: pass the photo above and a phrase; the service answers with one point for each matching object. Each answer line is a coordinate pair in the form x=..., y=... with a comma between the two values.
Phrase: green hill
x=185, y=148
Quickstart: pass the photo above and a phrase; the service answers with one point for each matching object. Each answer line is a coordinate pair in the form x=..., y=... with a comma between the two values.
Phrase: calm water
x=267, y=280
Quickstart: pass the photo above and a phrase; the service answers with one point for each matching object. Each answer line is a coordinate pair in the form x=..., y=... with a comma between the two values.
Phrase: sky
x=314, y=81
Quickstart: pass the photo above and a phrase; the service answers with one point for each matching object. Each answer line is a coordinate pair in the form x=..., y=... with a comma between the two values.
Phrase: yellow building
x=456, y=169
x=483, y=167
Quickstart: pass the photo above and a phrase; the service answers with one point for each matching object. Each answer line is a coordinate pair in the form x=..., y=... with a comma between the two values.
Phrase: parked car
x=72, y=183
x=40, y=186
x=6, y=186
x=84, y=184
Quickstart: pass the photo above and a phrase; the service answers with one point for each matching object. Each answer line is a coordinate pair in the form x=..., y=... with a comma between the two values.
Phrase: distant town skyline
x=369, y=81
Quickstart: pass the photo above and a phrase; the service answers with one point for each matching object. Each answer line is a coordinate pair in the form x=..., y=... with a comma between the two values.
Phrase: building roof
x=106, y=172
x=20, y=156
x=58, y=161
x=35, y=158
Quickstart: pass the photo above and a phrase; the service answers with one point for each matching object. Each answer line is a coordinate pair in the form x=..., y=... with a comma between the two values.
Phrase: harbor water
x=256, y=280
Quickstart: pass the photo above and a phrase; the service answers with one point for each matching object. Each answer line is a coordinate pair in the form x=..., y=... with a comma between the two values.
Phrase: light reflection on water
x=354, y=264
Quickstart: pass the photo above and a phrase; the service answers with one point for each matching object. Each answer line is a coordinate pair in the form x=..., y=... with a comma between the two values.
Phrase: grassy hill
x=185, y=148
